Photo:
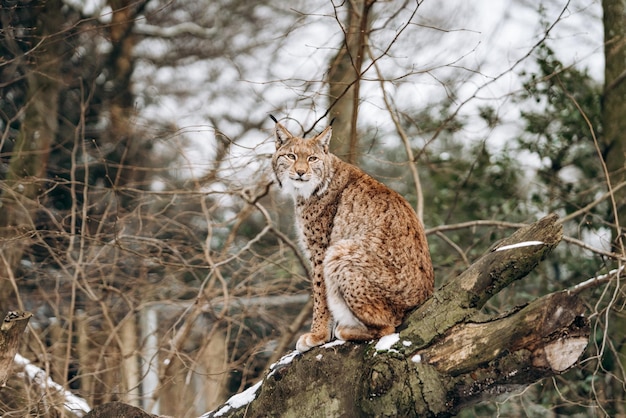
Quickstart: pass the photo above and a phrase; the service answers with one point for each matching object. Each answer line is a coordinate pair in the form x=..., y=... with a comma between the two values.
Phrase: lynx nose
x=300, y=173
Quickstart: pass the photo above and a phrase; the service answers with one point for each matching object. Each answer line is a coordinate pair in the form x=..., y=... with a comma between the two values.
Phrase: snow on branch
x=519, y=245
x=237, y=401
x=72, y=403
x=597, y=280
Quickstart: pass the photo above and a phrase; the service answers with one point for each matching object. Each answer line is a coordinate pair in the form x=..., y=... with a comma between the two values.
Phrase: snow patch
x=319, y=357
x=519, y=245
x=238, y=400
x=286, y=359
x=406, y=343
x=385, y=343
x=333, y=343
x=416, y=358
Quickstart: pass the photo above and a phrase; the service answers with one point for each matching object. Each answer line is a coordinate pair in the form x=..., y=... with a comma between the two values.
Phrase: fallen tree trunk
x=380, y=380
x=442, y=359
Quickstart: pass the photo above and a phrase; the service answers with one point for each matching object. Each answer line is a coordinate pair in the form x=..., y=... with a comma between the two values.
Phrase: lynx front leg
x=322, y=320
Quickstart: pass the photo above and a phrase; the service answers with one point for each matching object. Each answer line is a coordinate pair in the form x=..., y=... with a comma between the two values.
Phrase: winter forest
x=141, y=229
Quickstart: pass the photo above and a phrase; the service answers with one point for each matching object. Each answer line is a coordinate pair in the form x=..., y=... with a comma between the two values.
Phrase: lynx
x=368, y=252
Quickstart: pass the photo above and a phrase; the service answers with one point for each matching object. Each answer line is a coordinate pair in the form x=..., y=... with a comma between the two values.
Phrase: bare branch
x=419, y=209
x=473, y=224
x=598, y=280
x=593, y=204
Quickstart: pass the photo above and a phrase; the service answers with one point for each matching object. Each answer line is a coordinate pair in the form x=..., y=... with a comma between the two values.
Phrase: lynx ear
x=324, y=137
x=282, y=135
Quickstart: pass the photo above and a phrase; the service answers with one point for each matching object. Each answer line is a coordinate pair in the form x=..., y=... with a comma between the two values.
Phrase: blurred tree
x=556, y=133
x=344, y=77
x=614, y=107
x=31, y=96
x=613, y=147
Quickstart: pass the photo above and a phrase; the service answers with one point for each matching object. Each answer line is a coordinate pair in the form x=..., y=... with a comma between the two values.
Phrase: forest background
x=140, y=226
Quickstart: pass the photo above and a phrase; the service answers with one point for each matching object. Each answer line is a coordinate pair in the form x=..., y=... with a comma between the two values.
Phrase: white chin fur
x=299, y=188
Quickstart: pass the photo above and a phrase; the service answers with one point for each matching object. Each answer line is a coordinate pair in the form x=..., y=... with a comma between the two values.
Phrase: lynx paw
x=361, y=333
x=309, y=340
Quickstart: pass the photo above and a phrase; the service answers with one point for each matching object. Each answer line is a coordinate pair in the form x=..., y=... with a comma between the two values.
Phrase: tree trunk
x=344, y=80
x=614, y=146
x=27, y=167
x=614, y=104
x=128, y=155
x=11, y=330
x=442, y=359
x=130, y=361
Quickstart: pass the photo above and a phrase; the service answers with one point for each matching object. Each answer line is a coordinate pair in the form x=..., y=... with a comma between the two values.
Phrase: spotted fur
x=367, y=248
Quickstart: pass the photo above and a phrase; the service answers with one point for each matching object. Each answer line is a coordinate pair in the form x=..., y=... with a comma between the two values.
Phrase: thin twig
x=419, y=205
x=591, y=205
x=599, y=251
x=454, y=246
x=295, y=326
x=472, y=224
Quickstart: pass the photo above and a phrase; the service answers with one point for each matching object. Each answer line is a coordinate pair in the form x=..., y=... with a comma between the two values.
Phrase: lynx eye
x=291, y=156
x=313, y=158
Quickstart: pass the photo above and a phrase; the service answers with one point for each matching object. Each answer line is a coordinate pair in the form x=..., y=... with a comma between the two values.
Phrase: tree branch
x=184, y=28
x=465, y=295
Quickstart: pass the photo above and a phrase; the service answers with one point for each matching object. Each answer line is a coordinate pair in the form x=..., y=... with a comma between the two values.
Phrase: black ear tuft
x=324, y=137
x=273, y=118
x=282, y=135
x=331, y=121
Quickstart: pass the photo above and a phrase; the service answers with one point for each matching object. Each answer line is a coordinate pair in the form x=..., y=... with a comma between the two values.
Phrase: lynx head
x=303, y=167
